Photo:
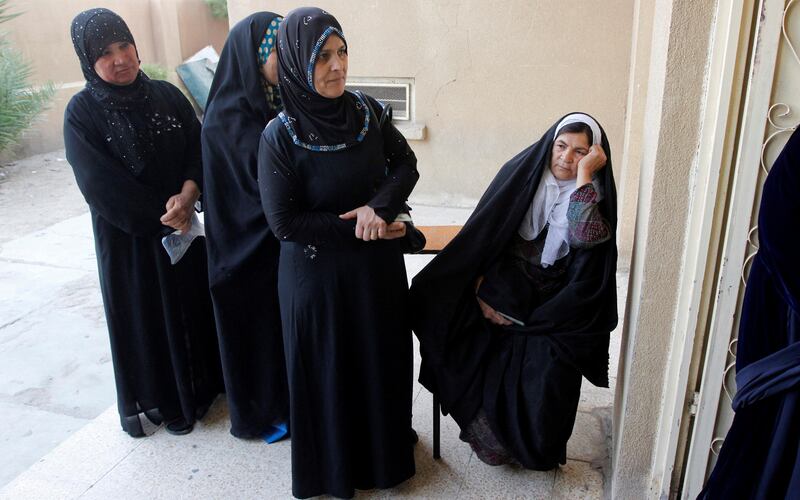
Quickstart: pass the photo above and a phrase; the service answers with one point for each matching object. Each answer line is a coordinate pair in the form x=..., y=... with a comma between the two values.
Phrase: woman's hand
x=492, y=315
x=395, y=230
x=369, y=226
x=180, y=207
x=589, y=164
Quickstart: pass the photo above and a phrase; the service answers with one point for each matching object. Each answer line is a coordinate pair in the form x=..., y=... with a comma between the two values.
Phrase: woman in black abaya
x=761, y=454
x=134, y=146
x=242, y=251
x=331, y=189
x=520, y=304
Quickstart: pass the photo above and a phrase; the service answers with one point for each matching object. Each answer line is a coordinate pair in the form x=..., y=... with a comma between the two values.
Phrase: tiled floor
x=55, y=378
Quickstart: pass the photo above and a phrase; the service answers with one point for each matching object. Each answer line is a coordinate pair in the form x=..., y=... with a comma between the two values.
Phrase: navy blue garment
x=525, y=379
x=242, y=251
x=159, y=316
x=761, y=454
x=344, y=301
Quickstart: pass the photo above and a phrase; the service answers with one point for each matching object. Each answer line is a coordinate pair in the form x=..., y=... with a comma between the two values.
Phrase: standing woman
x=134, y=146
x=331, y=187
x=760, y=457
x=242, y=251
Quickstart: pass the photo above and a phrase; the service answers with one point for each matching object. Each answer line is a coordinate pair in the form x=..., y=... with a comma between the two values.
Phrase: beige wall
x=166, y=32
x=489, y=78
x=673, y=114
x=199, y=28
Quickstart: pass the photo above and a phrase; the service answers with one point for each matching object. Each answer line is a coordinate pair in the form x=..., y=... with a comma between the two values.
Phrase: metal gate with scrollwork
x=769, y=111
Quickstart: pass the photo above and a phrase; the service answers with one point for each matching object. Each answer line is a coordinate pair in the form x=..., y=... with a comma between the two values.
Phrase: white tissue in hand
x=178, y=242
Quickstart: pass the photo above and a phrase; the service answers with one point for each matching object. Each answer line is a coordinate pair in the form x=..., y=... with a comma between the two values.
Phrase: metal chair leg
x=436, y=413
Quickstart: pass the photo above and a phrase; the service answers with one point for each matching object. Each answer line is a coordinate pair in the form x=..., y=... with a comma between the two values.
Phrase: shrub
x=19, y=102
x=219, y=8
x=155, y=71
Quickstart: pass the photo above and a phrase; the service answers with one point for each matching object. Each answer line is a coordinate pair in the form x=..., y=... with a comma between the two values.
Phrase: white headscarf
x=551, y=201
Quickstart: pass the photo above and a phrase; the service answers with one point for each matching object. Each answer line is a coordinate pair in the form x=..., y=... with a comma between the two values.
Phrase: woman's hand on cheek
x=589, y=164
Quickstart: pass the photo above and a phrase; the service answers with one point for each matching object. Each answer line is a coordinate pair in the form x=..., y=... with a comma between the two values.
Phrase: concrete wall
x=166, y=32
x=489, y=78
x=675, y=98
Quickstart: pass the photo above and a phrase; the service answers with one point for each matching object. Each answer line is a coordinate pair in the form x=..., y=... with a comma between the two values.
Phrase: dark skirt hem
x=382, y=485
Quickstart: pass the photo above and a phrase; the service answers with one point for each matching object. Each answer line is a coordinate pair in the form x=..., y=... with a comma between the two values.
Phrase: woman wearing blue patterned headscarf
x=332, y=182
x=242, y=251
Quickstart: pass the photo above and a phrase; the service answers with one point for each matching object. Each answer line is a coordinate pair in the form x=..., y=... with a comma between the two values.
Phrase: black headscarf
x=313, y=121
x=92, y=31
x=237, y=88
x=236, y=113
x=577, y=320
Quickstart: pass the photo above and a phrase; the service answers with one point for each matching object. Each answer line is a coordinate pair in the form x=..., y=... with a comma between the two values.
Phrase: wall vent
x=394, y=92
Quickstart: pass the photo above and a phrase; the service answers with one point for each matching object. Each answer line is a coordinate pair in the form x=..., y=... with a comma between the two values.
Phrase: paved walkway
x=59, y=428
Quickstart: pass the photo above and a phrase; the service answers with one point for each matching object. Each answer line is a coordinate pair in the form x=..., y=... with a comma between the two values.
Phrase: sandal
x=179, y=427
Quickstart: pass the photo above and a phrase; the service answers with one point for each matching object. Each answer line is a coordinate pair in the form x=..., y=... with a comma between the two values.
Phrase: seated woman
x=520, y=304
x=134, y=146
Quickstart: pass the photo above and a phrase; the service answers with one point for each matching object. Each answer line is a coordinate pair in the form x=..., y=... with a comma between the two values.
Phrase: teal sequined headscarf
x=268, y=42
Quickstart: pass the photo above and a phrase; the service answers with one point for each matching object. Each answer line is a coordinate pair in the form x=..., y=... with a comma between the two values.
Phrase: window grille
x=397, y=94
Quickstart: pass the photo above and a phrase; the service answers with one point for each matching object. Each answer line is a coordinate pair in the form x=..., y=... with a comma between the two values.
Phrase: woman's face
x=568, y=149
x=270, y=68
x=330, y=69
x=119, y=64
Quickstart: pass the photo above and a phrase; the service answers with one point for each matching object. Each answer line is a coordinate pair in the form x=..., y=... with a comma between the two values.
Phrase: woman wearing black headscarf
x=134, y=146
x=761, y=454
x=332, y=181
x=521, y=303
x=242, y=251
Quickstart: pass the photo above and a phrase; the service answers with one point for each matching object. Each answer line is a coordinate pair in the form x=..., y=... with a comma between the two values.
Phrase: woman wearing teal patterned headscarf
x=243, y=253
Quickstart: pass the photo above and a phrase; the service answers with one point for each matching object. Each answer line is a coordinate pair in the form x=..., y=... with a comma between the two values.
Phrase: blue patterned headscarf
x=268, y=42
x=315, y=122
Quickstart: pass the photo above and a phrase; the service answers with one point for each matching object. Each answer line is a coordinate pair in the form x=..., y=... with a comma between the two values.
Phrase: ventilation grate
x=395, y=94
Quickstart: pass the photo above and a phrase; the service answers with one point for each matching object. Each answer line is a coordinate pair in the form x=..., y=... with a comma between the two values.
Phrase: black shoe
x=414, y=437
x=179, y=427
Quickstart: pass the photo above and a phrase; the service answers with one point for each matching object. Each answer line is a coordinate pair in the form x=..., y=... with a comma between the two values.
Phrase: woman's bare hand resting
x=487, y=310
x=180, y=207
x=369, y=226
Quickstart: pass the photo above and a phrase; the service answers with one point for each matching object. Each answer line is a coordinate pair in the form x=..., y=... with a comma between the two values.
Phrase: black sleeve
x=401, y=170
x=109, y=188
x=281, y=200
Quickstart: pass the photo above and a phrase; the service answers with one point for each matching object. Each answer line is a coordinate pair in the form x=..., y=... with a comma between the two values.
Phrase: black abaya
x=160, y=322
x=525, y=379
x=344, y=309
x=761, y=455
x=242, y=251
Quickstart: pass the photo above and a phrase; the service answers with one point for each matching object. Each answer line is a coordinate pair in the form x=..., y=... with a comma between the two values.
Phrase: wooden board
x=437, y=237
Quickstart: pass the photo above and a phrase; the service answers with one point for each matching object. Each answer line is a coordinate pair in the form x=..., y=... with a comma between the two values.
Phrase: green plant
x=19, y=102
x=155, y=71
x=219, y=8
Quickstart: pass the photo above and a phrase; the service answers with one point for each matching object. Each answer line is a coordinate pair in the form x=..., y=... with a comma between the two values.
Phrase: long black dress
x=242, y=251
x=160, y=321
x=344, y=309
x=761, y=454
x=520, y=383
